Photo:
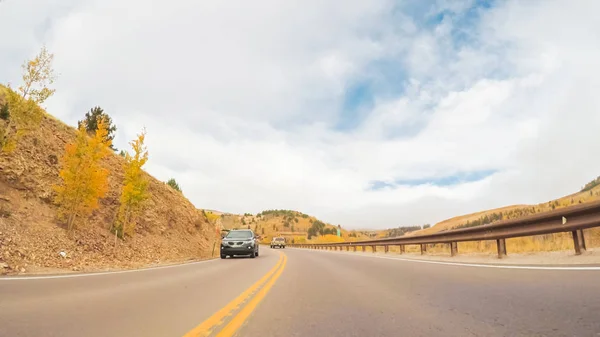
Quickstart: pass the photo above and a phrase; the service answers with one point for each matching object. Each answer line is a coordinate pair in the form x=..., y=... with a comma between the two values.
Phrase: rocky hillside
x=171, y=229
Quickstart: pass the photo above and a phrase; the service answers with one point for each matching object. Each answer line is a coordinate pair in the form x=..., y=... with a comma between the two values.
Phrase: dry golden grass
x=524, y=245
x=329, y=238
x=528, y=244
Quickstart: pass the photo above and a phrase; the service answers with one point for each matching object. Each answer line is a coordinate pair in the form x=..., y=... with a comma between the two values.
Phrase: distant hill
x=295, y=226
x=590, y=192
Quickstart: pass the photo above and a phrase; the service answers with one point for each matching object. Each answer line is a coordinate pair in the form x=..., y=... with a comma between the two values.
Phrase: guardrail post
x=501, y=244
x=402, y=251
x=364, y=248
x=423, y=249
x=578, y=241
x=347, y=248
x=354, y=248
x=453, y=248
x=386, y=249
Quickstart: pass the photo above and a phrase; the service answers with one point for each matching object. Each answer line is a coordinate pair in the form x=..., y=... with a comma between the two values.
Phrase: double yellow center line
x=250, y=297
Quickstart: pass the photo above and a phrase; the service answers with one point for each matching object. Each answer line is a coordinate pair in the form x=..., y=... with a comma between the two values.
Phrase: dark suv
x=239, y=242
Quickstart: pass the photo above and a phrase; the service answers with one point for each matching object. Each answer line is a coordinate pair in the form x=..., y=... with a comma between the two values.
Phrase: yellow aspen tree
x=22, y=105
x=135, y=187
x=84, y=180
x=37, y=75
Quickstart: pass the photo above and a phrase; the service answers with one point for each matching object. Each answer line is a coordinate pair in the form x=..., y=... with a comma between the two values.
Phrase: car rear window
x=279, y=239
x=239, y=235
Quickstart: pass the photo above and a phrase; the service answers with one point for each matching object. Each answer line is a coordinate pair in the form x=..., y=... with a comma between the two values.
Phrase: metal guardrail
x=572, y=219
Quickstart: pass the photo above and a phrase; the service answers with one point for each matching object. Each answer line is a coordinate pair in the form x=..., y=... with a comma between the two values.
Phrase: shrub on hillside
x=174, y=184
x=591, y=185
x=4, y=113
x=394, y=232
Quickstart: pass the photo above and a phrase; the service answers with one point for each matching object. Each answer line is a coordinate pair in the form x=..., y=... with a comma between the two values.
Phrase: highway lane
x=156, y=302
x=341, y=294
x=307, y=293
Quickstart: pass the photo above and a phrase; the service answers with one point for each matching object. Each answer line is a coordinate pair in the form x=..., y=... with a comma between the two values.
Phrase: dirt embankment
x=170, y=230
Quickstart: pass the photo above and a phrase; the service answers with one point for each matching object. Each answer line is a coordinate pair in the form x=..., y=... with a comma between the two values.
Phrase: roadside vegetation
x=83, y=177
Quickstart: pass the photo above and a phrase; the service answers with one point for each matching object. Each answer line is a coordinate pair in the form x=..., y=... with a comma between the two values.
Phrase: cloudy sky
x=368, y=114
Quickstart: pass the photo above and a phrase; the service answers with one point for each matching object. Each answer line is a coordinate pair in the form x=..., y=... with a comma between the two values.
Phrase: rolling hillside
x=590, y=192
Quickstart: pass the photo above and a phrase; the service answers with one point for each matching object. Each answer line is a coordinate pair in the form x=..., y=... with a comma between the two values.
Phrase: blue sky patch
x=358, y=101
x=455, y=179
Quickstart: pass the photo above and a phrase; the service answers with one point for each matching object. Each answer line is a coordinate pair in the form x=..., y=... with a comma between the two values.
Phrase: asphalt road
x=307, y=293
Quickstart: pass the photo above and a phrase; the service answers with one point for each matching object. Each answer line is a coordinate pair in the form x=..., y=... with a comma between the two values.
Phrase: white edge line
x=21, y=278
x=462, y=264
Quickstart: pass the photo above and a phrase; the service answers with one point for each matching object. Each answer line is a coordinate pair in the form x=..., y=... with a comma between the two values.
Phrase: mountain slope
x=31, y=239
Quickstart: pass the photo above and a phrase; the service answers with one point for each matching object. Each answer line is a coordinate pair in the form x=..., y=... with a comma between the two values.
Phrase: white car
x=278, y=242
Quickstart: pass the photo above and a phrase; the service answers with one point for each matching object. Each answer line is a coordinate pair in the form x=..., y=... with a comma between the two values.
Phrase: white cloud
x=239, y=98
